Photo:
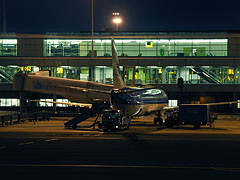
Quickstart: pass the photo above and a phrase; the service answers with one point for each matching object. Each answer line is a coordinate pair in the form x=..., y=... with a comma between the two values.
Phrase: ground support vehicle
x=112, y=120
x=195, y=114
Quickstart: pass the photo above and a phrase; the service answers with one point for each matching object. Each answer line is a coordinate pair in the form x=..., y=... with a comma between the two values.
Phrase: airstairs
x=96, y=109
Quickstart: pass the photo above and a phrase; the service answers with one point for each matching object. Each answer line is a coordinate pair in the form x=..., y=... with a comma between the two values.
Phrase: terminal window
x=8, y=47
x=138, y=47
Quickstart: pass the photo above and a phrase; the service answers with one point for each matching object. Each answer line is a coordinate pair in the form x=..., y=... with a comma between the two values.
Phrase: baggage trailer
x=195, y=114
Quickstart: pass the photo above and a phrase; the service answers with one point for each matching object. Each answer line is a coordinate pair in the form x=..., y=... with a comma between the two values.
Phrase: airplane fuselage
x=139, y=102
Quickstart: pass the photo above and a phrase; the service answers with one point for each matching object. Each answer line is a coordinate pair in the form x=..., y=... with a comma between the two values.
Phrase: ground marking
x=3, y=147
x=27, y=143
x=48, y=140
x=97, y=135
x=120, y=166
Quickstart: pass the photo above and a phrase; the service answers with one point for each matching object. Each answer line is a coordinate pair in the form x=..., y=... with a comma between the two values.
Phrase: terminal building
x=208, y=62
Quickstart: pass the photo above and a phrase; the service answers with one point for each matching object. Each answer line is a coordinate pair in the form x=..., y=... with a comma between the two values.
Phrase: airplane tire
x=157, y=120
x=160, y=121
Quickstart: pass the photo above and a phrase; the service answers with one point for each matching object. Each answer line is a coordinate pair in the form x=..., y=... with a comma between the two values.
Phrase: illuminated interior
x=8, y=47
x=136, y=74
x=138, y=47
x=9, y=102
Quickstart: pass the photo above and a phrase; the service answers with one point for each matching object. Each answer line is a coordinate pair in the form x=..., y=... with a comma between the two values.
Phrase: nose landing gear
x=158, y=119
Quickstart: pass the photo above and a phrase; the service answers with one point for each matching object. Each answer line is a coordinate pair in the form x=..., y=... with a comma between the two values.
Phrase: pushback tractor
x=112, y=120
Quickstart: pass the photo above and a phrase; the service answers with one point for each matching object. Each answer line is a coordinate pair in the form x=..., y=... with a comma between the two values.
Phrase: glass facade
x=8, y=47
x=9, y=102
x=7, y=72
x=137, y=47
x=45, y=104
x=136, y=74
x=42, y=52
x=13, y=102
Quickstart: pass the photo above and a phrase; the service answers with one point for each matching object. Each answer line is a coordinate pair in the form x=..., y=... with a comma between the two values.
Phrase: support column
x=234, y=106
x=23, y=102
x=164, y=75
x=124, y=71
x=178, y=75
x=237, y=74
x=181, y=73
x=54, y=104
x=91, y=74
x=133, y=74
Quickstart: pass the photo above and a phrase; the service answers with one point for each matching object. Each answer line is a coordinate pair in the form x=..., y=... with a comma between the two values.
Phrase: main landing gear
x=158, y=119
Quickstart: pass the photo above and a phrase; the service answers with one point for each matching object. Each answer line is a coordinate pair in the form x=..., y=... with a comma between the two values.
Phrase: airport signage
x=26, y=68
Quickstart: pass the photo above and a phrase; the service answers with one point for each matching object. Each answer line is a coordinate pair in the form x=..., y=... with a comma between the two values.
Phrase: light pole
x=4, y=15
x=117, y=20
x=92, y=30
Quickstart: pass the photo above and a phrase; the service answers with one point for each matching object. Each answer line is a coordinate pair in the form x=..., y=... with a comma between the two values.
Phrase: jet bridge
x=97, y=108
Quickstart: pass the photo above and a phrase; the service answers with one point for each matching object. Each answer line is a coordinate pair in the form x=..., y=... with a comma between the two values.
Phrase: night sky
x=41, y=16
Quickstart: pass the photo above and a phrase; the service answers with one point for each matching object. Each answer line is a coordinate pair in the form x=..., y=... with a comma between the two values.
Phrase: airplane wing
x=70, y=104
x=174, y=108
x=216, y=104
x=223, y=103
x=167, y=108
x=130, y=90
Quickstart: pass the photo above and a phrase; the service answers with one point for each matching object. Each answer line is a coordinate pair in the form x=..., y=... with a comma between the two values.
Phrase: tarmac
x=46, y=150
x=225, y=124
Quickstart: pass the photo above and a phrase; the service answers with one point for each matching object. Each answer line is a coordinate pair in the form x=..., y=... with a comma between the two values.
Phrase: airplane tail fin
x=117, y=79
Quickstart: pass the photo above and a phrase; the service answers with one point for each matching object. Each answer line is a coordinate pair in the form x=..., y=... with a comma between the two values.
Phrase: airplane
x=130, y=101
